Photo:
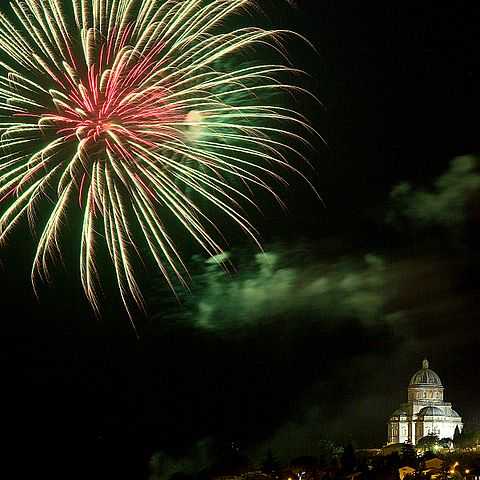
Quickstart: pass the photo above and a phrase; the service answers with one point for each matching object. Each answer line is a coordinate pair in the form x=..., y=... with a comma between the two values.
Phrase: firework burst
x=124, y=108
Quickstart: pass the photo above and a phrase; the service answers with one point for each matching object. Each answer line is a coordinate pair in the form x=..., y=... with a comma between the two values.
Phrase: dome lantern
x=425, y=377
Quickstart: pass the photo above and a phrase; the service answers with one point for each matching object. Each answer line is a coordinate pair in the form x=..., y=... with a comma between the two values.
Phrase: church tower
x=425, y=412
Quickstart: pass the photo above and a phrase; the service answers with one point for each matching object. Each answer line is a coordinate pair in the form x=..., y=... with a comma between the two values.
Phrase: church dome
x=398, y=413
x=453, y=413
x=430, y=411
x=425, y=377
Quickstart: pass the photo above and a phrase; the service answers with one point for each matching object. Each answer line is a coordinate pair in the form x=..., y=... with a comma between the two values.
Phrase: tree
x=428, y=455
x=409, y=455
x=457, y=437
x=428, y=442
x=270, y=463
x=230, y=459
x=348, y=458
x=445, y=442
x=392, y=462
x=328, y=452
x=155, y=466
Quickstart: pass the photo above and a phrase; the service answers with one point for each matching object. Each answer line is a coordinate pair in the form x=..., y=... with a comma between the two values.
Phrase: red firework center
x=120, y=101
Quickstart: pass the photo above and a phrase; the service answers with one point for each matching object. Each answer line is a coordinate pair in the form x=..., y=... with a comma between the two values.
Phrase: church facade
x=425, y=412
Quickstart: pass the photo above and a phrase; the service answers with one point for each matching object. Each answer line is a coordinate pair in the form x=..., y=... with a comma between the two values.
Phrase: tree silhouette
x=428, y=442
x=348, y=459
x=409, y=455
x=457, y=437
x=270, y=463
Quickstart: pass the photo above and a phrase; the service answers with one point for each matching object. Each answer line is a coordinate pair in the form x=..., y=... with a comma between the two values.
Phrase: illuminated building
x=425, y=413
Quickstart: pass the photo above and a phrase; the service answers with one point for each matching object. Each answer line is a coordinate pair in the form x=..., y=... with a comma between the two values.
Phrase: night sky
x=399, y=86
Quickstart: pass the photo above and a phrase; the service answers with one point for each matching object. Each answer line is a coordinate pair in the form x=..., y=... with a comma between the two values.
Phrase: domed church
x=425, y=413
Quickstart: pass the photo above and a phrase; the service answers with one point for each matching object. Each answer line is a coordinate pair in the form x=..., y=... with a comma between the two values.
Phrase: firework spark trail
x=124, y=110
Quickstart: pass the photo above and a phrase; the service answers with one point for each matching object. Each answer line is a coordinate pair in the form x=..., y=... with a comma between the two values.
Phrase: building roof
x=398, y=412
x=453, y=413
x=430, y=411
x=425, y=377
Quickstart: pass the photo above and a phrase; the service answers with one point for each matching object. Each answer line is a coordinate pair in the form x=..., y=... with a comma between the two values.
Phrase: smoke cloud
x=444, y=205
x=272, y=285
